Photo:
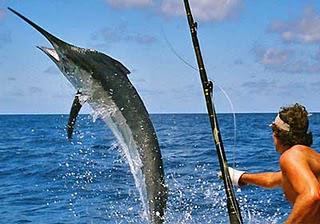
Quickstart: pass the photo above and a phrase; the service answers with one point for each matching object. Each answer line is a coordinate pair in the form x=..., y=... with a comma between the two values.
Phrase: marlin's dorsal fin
x=76, y=106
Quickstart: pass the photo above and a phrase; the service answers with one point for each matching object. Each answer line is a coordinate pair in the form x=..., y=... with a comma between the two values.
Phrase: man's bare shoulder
x=296, y=151
x=299, y=154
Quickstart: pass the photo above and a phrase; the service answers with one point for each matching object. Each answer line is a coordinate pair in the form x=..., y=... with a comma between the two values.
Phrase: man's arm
x=297, y=171
x=267, y=180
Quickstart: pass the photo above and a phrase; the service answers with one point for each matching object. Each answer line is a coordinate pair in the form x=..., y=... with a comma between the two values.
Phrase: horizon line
x=156, y=113
x=159, y=113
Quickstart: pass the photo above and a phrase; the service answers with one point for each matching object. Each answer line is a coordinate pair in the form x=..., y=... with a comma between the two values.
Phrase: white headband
x=280, y=124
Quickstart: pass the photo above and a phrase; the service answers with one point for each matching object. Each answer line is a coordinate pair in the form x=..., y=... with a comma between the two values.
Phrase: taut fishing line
x=224, y=92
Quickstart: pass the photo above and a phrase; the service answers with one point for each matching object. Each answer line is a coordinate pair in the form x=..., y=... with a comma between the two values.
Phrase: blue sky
x=264, y=54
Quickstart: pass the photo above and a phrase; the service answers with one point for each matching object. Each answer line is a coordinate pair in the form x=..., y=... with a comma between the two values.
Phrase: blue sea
x=44, y=178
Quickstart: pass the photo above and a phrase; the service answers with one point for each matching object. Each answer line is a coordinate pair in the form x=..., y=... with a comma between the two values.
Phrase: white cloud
x=287, y=60
x=305, y=29
x=273, y=56
x=129, y=3
x=205, y=10
x=122, y=33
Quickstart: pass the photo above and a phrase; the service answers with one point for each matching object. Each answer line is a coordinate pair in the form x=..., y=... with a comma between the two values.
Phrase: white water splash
x=112, y=116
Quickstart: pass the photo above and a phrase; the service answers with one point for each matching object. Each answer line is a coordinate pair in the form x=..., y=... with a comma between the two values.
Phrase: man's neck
x=282, y=148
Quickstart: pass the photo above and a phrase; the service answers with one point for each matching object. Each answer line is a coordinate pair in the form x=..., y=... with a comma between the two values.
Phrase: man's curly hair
x=297, y=118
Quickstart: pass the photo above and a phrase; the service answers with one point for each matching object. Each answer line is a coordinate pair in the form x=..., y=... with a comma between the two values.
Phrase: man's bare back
x=300, y=167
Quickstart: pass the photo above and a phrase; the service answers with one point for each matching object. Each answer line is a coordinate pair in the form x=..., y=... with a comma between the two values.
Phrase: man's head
x=291, y=126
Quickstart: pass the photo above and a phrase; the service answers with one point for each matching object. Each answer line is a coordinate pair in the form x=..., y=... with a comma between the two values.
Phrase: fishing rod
x=232, y=204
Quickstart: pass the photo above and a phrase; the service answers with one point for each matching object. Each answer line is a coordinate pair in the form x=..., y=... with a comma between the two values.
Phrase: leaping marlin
x=103, y=81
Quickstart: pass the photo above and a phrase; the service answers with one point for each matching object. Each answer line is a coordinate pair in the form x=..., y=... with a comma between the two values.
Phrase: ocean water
x=46, y=179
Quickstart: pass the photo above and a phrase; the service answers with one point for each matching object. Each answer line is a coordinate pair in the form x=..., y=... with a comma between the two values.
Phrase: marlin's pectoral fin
x=78, y=101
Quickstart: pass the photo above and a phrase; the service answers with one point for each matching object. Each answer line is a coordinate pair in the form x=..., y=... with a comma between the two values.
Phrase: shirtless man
x=300, y=166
